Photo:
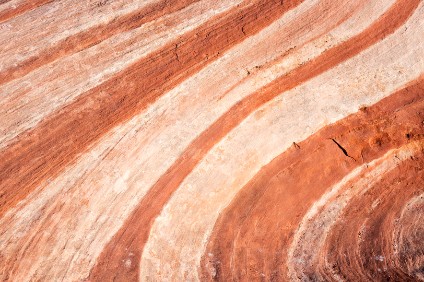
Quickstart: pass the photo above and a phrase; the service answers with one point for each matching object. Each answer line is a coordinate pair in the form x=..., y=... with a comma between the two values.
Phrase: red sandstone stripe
x=281, y=57
x=93, y=36
x=358, y=258
x=269, y=208
x=134, y=233
x=46, y=150
x=24, y=7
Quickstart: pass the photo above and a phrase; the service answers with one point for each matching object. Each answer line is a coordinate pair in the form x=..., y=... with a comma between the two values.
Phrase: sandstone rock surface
x=198, y=140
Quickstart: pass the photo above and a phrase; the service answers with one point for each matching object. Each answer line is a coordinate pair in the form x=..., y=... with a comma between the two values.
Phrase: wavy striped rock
x=229, y=140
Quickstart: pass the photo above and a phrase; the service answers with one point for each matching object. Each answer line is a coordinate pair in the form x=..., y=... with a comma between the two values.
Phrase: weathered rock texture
x=230, y=140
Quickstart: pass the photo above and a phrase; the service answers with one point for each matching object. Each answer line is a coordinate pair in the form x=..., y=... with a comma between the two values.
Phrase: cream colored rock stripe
x=33, y=97
x=325, y=212
x=411, y=213
x=111, y=181
x=113, y=170
x=102, y=189
x=36, y=31
x=175, y=253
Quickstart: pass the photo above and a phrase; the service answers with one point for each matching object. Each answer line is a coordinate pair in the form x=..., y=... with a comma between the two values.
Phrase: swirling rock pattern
x=229, y=140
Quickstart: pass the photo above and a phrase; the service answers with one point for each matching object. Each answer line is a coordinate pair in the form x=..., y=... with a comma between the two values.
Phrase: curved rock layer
x=212, y=140
x=277, y=224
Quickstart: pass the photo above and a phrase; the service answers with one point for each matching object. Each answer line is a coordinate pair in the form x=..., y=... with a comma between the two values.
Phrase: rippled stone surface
x=224, y=140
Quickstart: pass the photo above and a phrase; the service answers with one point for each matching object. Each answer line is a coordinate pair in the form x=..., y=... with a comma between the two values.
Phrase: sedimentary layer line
x=252, y=237
x=133, y=235
x=92, y=36
x=211, y=140
x=10, y=9
x=120, y=98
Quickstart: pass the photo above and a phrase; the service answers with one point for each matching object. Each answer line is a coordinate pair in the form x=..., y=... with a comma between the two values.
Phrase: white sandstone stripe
x=48, y=24
x=99, y=217
x=293, y=116
x=26, y=101
x=115, y=188
x=408, y=232
x=12, y=4
x=158, y=146
x=118, y=173
x=325, y=212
